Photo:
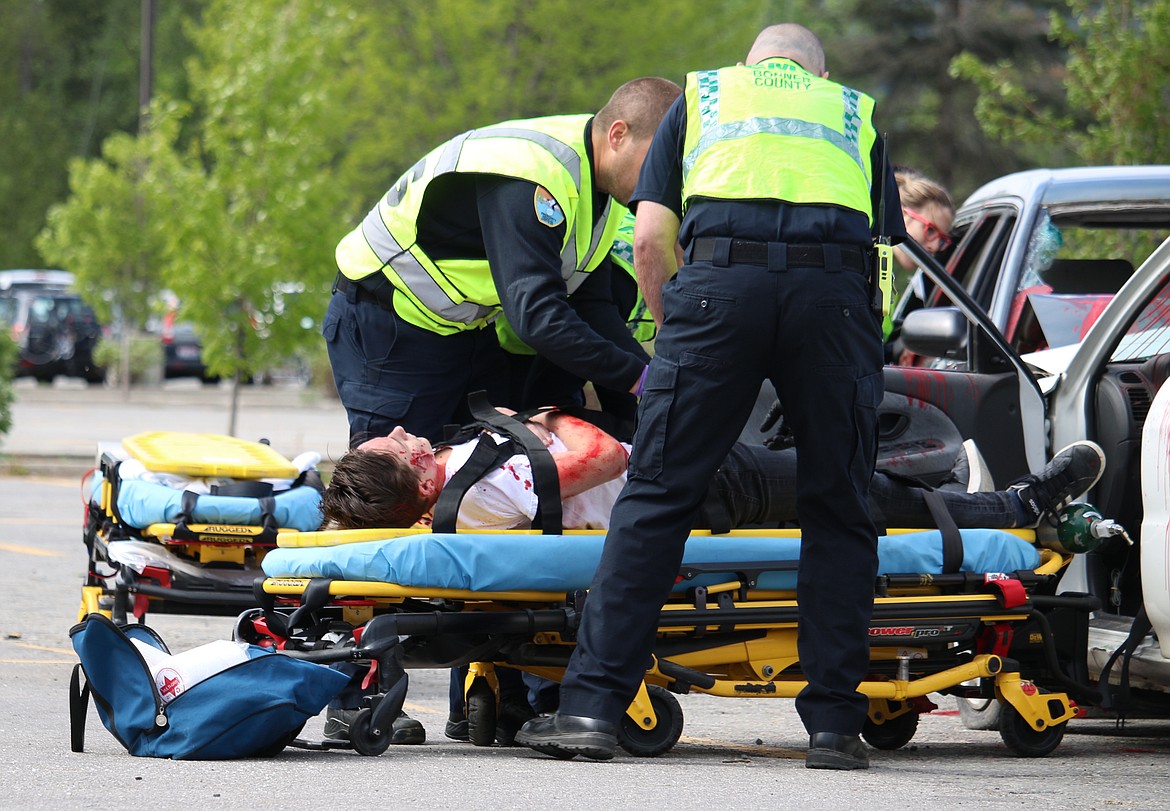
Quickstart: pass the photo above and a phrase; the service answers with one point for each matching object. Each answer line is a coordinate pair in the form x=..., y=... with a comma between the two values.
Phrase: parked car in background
x=54, y=330
x=182, y=350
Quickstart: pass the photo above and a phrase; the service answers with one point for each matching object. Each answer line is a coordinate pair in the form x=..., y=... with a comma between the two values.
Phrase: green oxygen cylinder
x=1081, y=528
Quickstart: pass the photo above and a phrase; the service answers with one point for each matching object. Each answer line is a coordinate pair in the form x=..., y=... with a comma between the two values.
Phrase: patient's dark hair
x=371, y=489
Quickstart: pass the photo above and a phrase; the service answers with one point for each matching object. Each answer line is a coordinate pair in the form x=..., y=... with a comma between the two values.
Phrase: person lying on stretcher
x=395, y=480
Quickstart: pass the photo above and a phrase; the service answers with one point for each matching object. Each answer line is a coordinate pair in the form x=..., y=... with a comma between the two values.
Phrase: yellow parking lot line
x=29, y=550
x=46, y=648
x=31, y=646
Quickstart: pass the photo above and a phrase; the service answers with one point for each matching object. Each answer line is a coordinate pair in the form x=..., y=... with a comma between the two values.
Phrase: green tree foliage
x=112, y=230
x=1119, y=74
x=254, y=202
x=1116, y=106
x=900, y=53
x=8, y=356
x=68, y=79
x=430, y=71
x=65, y=72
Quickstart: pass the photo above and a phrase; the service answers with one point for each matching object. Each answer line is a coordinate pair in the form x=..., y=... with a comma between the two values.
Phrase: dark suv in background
x=54, y=330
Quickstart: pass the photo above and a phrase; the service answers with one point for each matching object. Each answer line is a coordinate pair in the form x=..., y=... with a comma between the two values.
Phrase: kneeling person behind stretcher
x=395, y=480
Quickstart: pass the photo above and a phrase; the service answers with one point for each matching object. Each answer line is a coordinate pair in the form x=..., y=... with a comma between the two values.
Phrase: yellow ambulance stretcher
x=417, y=599
x=980, y=620
x=179, y=522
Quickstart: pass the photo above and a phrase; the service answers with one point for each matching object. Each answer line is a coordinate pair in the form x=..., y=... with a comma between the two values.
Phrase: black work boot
x=565, y=736
x=829, y=750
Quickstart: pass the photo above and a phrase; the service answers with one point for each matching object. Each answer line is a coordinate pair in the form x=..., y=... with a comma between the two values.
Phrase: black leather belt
x=376, y=288
x=777, y=255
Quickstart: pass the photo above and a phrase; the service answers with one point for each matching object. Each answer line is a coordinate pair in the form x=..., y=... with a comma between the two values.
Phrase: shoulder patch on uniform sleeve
x=548, y=210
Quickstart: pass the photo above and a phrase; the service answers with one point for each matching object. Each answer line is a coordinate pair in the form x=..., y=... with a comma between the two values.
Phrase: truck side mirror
x=936, y=332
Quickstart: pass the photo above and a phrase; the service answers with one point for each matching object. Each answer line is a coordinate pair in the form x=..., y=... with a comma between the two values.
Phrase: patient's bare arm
x=593, y=456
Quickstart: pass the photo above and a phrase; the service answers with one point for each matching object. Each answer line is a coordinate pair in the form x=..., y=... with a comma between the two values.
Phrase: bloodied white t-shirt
x=504, y=498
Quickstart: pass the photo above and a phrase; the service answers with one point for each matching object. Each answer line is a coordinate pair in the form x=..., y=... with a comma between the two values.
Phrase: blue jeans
x=757, y=486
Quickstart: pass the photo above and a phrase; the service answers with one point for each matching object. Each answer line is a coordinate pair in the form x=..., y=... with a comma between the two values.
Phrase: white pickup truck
x=1051, y=323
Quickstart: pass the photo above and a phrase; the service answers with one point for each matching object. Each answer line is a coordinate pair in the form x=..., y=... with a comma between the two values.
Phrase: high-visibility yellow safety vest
x=451, y=295
x=640, y=322
x=774, y=131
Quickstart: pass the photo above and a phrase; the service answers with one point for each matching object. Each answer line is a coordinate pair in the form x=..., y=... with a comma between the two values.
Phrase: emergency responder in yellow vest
x=769, y=176
x=509, y=218
x=549, y=384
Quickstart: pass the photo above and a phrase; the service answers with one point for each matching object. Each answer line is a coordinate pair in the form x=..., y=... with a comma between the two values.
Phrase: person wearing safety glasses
x=928, y=210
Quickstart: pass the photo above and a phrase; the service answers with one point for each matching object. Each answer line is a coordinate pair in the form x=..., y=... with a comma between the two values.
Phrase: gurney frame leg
x=481, y=702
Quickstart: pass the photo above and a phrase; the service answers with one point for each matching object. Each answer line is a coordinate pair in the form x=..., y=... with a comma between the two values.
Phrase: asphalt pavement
x=57, y=428
x=745, y=752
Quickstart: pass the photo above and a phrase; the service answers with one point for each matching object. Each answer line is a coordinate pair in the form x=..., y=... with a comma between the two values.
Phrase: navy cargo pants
x=812, y=332
x=389, y=372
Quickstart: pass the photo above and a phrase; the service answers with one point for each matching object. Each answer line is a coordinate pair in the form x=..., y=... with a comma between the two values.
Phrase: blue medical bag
x=251, y=709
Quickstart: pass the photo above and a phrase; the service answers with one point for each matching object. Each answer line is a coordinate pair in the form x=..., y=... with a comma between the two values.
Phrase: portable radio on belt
x=882, y=282
x=883, y=286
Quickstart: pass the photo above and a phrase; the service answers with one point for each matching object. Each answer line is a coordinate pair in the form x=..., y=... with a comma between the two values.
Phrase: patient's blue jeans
x=757, y=486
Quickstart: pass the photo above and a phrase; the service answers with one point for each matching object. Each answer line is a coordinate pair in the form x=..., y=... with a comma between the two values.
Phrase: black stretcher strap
x=546, y=483
x=487, y=455
x=952, y=541
x=267, y=506
x=114, y=479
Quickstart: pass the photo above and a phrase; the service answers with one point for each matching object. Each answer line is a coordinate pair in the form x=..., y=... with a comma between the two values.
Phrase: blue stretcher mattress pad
x=526, y=562
x=142, y=503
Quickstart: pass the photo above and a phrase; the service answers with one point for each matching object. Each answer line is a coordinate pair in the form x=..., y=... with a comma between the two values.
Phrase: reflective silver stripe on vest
x=565, y=155
x=411, y=271
x=415, y=276
x=847, y=142
x=450, y=157
x=573, y=274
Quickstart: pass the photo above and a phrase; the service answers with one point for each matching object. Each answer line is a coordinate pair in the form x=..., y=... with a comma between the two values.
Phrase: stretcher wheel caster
x=362, y=737
x=893, y=734
x=481, y=714
x=1025, y=741
x=979, y=713
x=665, y=734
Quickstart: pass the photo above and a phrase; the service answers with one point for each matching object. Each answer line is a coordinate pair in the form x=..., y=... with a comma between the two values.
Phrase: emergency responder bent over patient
x=484, y=241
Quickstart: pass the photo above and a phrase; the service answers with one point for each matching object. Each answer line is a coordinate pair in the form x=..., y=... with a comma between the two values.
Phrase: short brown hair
x=371, y=489
x=641, y=103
